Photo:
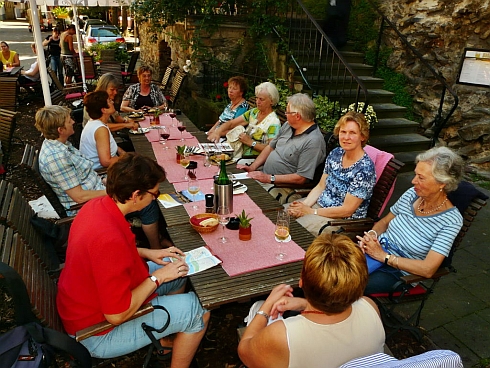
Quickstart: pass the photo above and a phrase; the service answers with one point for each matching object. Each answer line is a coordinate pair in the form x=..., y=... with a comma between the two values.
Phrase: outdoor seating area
x=285, y=214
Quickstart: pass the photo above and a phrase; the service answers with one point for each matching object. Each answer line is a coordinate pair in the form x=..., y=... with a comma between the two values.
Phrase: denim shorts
x=186, y=315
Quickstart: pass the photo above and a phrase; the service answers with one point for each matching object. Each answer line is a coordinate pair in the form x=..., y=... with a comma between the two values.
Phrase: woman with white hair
x=261, y=122
x=418, y=232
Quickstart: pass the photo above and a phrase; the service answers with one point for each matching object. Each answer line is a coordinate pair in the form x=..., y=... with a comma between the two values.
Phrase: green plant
x=180, y=149
x=244, y=219
x=370, y=114
x=120, y=55
x=325, y=113
x=60, y=12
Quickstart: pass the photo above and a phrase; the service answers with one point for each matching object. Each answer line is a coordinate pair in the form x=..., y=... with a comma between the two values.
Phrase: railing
x=317, y=62
x=319, y=69
x=447, y=103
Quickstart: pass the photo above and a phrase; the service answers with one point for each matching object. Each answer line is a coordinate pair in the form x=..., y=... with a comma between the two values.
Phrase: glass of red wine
x=181, y=128
x=164, y=135
x=172, y=114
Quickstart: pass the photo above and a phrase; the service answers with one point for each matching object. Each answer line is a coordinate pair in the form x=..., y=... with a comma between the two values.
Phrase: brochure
x=169, y=200
x=200, y=259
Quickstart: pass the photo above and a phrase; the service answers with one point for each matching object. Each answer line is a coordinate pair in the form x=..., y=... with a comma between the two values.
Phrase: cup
x=281, y=233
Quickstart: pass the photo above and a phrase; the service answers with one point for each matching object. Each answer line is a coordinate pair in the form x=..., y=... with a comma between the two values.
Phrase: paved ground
x=457, y=316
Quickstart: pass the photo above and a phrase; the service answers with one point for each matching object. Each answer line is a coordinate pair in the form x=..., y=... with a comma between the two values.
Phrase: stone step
x=388, y=110
x=394, y=126
x=368, y=81
x=349, y=56
x=408, y=158
x=314, y=68
x=400, y=142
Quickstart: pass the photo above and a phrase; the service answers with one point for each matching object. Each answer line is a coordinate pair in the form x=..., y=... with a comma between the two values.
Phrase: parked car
x=103, y=34
x=46, y=20
x=92, y=22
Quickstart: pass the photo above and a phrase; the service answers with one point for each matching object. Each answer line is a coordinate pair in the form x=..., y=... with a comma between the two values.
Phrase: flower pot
x=179, y=156
x=245, y=233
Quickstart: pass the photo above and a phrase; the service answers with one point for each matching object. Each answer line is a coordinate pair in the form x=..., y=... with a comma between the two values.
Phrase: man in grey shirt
x=293, y=156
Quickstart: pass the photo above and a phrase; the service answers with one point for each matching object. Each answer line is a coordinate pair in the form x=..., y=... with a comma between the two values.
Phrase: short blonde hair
x=50, y=118
x=357, y=118
x=143, y=69
x=334, y=273
x=270, y=89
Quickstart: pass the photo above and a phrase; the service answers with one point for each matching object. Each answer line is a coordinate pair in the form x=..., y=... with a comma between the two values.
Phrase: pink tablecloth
x=246, y=256
x=154, y=134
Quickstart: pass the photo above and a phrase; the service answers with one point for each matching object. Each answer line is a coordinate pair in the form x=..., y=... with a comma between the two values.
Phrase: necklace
x=312, y=312
x=421, y=210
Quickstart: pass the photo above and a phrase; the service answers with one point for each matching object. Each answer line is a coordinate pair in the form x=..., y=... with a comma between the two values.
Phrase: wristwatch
x=387, y=258
x=254, y=144
x=273, y=179
x=155, y=280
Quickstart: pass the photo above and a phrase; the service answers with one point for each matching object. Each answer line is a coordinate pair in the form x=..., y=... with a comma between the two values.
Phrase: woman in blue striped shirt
x=418, y=232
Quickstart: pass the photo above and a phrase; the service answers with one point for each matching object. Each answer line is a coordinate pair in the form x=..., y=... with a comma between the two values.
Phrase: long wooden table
x=214, y=287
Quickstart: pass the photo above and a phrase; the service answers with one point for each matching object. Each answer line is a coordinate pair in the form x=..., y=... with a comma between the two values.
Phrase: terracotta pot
x=179, y=156
x=245, y=233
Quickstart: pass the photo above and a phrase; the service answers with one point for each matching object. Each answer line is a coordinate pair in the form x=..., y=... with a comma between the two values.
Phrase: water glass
x=224, y=217
x=193, y=188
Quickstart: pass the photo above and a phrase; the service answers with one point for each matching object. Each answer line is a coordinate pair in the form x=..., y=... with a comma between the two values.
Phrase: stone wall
x=440, y=30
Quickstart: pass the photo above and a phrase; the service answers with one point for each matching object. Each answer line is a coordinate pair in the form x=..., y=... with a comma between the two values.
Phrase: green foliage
x=325, y=113
x=60, y=12
x=363, y=25
x=121, y=55
x=284, y=92
x=180, y=149
x=369, y=114
x=244, y=219
x=317, y=8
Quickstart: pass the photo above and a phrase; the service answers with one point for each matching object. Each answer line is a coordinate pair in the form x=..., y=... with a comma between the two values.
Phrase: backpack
x=32, y=346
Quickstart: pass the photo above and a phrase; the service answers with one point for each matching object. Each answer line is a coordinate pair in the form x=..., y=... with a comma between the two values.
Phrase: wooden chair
x=167, y=76
x=132, y=64
x=177, y=82
x=16, y=213
x=469, y=201
x=30, y=160
x=8, y=93
x=89, y=66
x=114, y=68
x=7, y=127
x=70, y=94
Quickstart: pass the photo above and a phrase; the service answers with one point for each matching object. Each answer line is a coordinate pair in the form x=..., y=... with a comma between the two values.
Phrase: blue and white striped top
x=415, y=236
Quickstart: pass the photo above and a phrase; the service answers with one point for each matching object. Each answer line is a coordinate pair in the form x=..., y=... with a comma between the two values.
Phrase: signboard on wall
x=474, y=69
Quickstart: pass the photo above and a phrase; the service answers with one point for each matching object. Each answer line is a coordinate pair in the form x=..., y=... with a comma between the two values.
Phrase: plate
x=217, y=159
x=140, y=131
x=152, y=111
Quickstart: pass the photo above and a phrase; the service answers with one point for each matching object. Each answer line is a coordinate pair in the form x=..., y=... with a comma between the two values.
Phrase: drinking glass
x=184, y=162
x=172, y=114
x=224, y=217
x=193, y=188
x=181, y=128
x=207, y=160
x=164, y=135
x=282, y=233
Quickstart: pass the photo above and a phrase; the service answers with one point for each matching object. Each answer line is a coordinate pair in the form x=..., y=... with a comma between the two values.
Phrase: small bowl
x=204, y=229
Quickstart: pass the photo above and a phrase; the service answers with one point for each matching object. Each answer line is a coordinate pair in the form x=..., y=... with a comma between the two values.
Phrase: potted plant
x=245, y=228
x=180, y=152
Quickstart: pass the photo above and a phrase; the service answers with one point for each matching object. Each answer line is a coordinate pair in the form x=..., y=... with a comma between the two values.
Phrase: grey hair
x=302, y=104
x=447, y=166
x=107, y=80
x=270, y=89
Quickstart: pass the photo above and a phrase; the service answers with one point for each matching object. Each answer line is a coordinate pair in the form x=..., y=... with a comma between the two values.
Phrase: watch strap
x=262, y=313
x=387, y=258
x=155, y=280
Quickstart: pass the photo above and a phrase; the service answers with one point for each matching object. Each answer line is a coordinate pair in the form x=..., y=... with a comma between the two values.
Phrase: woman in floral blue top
x=348, y=179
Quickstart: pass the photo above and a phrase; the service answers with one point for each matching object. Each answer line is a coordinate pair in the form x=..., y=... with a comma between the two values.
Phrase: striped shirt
x=413, y=236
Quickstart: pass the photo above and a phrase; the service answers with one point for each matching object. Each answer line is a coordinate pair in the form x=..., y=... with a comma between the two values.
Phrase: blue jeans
x=55, y=65
x=382, y=280
x=185, y=316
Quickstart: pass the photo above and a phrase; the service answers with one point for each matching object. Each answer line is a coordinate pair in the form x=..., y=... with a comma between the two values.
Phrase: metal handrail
x=439, y=121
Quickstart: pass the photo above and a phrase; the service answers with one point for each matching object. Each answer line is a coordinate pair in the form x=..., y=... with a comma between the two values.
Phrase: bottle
x=223, y=178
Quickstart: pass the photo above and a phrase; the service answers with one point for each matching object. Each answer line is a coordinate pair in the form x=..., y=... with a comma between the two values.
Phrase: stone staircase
x=393, y=133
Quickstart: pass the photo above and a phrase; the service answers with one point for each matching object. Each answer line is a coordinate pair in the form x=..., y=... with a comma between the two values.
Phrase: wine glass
x=193, y=188
x=172, y=114
x=181, y=128
x=224, y=217
x=164, y=135
x=184, y=162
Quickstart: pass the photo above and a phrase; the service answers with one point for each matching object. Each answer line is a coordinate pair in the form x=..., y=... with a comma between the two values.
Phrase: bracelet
x=375, y=233
x=155, y=280
x=262, y=313
x=125, y=119
x=316, y=211
x=397, y=267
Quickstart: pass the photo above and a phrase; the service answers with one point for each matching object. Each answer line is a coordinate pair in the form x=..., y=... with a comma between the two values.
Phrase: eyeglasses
x=155, y=195
x=290, y=112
